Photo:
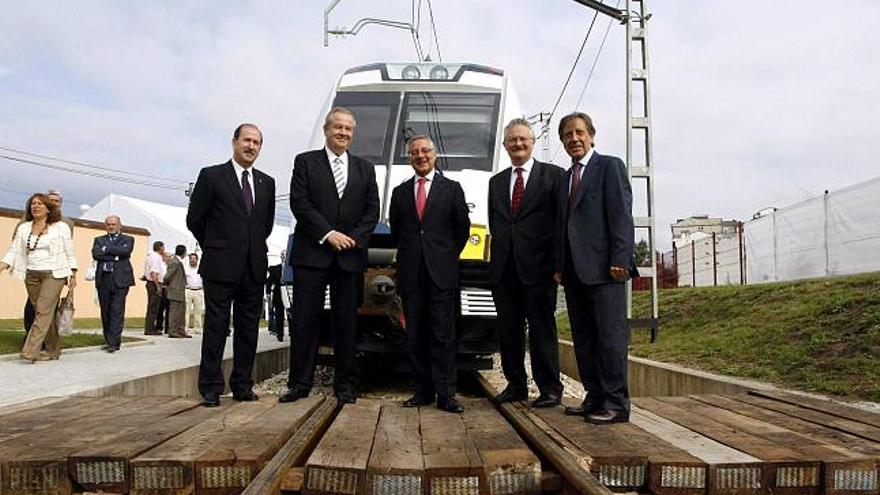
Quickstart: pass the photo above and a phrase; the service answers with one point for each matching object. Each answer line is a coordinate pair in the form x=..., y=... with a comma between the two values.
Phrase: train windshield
x=462, y=126
x=375, y=113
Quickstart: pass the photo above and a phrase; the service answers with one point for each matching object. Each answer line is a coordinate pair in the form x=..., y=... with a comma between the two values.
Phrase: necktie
x=338, y=176
x=518, y=188
x=575, y=182
x=246, y=191
x=421, y=197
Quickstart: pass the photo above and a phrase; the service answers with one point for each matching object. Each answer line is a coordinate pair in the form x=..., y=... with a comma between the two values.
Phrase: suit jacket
x=599, y=225
x=232, y=241
x=175, y=280
x=438, y=239
x=318, y=209
x=119, y=254
x=529, y=236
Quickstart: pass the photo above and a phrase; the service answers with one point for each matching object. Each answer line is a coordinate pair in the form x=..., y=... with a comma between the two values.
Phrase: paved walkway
x=81, y=370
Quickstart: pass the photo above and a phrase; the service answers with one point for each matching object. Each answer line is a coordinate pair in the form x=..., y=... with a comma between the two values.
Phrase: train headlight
x=439, y=73
x=411, y=72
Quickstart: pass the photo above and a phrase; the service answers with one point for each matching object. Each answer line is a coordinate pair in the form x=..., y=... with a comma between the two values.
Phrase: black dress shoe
x=546, y=400
x=449, y=404
x=211, y=400
x=248, y=396
x=510, y=395
x=607, y=417
x=583, y=409
x=346, y=398
x=418, y=401
x=293, y=394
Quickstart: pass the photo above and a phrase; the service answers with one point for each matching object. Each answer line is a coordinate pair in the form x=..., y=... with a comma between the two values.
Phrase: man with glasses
x=430, y=226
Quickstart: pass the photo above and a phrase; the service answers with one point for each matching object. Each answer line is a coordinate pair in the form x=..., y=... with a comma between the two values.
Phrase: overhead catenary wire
x=573, y=66
x=90, y=165
x=589, y=77
x=434, y=30
x=89, y=173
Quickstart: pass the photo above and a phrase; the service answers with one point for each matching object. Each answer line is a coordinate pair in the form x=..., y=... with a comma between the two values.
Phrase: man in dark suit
x=522, y=220
x=113, y=277
x=231, y=213
x=593, y=260
x=430, y=226
x=175, y=292
x=335, y=201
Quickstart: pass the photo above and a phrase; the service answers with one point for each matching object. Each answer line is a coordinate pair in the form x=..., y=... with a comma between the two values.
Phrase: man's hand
x=339, y=241
x=557, y=277
x=618, y=273
x=71, y=282
x=3, y=267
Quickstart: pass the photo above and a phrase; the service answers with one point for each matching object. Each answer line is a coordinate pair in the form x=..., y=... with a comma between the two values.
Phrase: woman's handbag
x=92, y=271
x=64, y=314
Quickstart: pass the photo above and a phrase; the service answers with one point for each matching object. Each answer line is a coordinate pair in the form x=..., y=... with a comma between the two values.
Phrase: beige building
x=13, y=294
x=684, y=229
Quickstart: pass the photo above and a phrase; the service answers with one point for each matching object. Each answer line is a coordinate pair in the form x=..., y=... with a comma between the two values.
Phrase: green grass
x=12, y=340
x=18, y=324
x=819, y=335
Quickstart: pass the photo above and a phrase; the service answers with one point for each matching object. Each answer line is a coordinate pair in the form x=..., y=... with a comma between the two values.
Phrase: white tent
x=167, y=223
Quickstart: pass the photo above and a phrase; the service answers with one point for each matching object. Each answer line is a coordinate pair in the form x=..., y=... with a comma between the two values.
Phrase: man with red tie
x=430, y=226
x=594, y=257
x=522, y=220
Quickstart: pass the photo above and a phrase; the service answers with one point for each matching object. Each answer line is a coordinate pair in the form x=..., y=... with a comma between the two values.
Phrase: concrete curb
x=77, y=350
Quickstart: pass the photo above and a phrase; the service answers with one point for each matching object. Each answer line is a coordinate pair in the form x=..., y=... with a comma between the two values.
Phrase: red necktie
x=421, y=197
x=575, y=182
x=518, y=189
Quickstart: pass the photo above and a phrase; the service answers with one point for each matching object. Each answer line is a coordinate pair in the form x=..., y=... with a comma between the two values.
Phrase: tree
x=642, y=253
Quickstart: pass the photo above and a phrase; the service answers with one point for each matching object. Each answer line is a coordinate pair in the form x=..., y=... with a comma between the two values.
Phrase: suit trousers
x=600, y=335
x=309, y=285
x=518, y=303
x=176, y=317
x=245, y=299
x=44, y=291
x=195, y=309
x=430, y=329
x=111, y=299
x=154, y=303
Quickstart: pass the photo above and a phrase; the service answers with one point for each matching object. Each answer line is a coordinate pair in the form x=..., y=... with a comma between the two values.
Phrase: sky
x=754, y=103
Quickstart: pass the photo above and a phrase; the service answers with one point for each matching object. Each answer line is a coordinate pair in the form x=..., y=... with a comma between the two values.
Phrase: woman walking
x=41, y=254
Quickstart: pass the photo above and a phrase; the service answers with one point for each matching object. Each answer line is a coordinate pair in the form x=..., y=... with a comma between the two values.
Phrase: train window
x=375, y=114
x=462, y=126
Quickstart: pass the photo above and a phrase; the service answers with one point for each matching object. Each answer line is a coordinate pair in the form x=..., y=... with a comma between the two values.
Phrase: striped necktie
x=338, y=176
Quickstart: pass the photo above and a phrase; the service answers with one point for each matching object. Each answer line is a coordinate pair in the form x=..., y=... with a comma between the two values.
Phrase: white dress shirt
x=333, y=156
x=238, y=170
x=193, y=279
x=428, y=183
x=154, y=264
x=526, y=172
x=583, y=161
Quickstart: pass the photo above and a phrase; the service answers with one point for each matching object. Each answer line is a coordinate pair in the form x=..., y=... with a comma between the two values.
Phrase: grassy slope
x=818, y=335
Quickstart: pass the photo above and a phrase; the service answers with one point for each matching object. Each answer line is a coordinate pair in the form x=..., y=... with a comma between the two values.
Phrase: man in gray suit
x=175, y=287
x=594, y=257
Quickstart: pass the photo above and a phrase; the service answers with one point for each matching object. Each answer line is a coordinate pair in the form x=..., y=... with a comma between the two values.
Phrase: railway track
x=755, y=443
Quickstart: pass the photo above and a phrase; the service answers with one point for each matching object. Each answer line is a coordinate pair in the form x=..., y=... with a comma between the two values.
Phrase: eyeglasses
x=421, y=151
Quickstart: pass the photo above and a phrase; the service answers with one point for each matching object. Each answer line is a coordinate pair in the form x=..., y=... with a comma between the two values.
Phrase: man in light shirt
x=154, y=273
x=195, y=298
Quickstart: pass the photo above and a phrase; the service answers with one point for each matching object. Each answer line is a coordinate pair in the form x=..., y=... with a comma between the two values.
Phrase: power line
x=589, y=76
x=574, y=65
x=434, y=29
x=98, y=175
x=91, y=165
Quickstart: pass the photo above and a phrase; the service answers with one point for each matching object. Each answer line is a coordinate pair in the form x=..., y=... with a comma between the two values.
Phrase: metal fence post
x=714, y=261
